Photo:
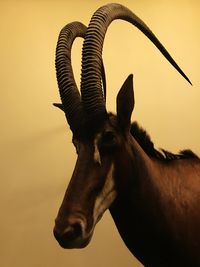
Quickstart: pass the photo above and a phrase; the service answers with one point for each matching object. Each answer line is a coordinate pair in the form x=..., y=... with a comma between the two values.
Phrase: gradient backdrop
x=37, y=157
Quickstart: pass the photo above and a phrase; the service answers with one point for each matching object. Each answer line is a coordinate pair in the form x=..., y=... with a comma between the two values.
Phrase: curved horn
x=91, y=89
x=69, y=92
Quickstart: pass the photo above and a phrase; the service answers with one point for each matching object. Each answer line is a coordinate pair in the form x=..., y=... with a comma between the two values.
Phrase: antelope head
x=99, y=137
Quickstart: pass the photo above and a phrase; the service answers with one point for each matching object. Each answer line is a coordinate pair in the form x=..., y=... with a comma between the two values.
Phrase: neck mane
x=144, y=140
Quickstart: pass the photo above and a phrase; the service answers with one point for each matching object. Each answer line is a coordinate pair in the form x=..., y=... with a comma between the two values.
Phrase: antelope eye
x=108, y=142
x=108, y=138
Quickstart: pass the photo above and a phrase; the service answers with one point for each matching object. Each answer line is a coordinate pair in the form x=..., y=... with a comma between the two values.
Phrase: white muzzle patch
x=97, y=157
x=106, y=196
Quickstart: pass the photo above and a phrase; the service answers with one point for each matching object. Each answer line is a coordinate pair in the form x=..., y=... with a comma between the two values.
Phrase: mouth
x=73, y=237
x=78, y=243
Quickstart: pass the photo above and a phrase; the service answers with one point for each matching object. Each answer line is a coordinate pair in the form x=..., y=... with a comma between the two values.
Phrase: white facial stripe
x=97, y=157
x=106, y=197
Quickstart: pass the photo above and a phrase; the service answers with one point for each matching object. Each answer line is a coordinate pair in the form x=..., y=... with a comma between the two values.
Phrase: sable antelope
x=153, y=196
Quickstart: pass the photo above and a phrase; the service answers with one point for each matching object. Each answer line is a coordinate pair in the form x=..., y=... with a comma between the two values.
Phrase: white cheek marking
x=97, y=157
x=106, y=197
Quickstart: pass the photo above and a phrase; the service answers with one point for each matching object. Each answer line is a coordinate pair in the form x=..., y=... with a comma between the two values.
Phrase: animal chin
x=78, y=243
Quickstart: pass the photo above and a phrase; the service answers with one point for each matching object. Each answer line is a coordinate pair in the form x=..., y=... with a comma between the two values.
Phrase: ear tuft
x=125, y=103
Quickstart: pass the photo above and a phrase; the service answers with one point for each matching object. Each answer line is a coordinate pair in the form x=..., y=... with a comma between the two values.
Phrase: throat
x=134, y=203
x=127, y=223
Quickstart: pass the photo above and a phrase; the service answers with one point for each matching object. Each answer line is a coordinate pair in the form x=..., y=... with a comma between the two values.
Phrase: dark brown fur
x=157, y=209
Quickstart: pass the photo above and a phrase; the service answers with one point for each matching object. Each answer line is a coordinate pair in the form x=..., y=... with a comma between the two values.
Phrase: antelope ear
x=125, y=103
x=60, y=106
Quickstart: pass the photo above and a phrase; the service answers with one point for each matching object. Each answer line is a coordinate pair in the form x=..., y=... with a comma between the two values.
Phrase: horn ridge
x=69, y=92
x=92, y=52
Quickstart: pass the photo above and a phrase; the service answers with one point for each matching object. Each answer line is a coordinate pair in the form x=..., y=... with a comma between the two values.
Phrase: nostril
x=77, y=229
x=70, y=234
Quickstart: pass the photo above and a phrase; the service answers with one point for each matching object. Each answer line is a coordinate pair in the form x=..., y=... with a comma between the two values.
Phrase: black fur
x=144, y=140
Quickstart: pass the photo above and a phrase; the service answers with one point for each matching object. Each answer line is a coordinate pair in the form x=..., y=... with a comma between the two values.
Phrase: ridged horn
x=69, y=93
x=91, y=89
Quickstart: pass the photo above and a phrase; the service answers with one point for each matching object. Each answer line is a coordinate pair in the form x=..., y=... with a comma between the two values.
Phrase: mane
x=144, y=140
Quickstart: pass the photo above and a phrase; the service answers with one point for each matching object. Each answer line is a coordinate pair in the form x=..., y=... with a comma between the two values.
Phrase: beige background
x=37, y=157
